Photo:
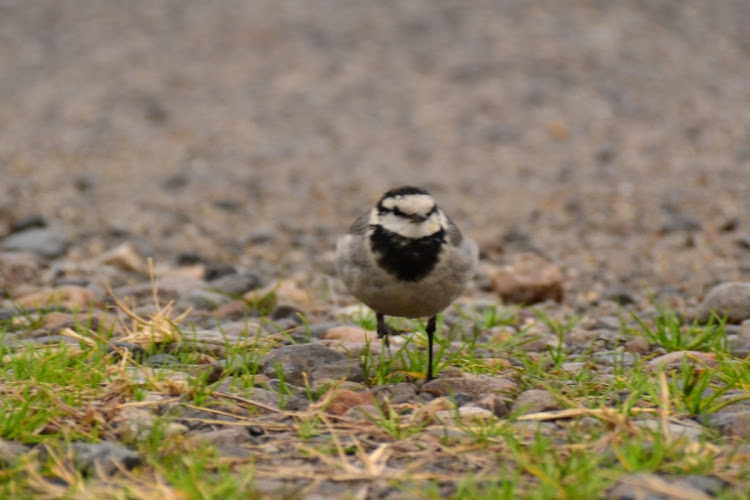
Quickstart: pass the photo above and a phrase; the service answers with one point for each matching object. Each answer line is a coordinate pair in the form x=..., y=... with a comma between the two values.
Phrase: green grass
x=59, y=393
x=668, y=331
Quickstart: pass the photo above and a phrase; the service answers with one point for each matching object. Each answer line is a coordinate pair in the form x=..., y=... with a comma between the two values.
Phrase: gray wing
x=352, y=251
x=359, y=227
x=454, y=234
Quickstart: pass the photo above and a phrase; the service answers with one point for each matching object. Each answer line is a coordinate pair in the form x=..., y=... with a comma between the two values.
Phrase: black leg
x=383, y=331
x=430, y=334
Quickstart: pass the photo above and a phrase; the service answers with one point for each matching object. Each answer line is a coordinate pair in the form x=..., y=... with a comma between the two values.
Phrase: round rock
x=41, y=241
x=528, y=280
x=473, y=386
x=294, y=360
x=731, y=299
x=536, y=400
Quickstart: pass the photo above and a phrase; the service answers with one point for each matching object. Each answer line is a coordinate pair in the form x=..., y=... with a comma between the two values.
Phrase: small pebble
x=344, y=400
x=104, y=456
x=529, y=279
x=44, y=242
x=535, y=400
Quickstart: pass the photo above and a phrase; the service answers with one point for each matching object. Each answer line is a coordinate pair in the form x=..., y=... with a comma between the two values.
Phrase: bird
x=406, y=258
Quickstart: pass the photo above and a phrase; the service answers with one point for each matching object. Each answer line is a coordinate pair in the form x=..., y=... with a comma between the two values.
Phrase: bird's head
x=408, y=211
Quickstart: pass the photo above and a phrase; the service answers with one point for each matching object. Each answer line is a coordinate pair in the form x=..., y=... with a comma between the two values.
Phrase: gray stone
x=230, y=436
x=732, y=420
x=687, y=429
x=238, y=329
x=731, y=299
x=203, y=300
x=348, y=369
x=647, y=486
x=637, y=345
x=40, y=241
x=318, y=330
x=582, y=337
x=285, y=390
x=283, y=325
x=297, y=403
x=267, y=398
x=681, y=222
x=231, y=451
x=27, y=222
x=362, y=412
x=300, y=335
x=675, y=359
x=529, y=279
x=10, y=451
x=105, y=457
x=495, y=403
x=539, y=342
x=708, y=484
x=621, y=295
x=260, y=235
x=236, y=284
x=276, y=488
x=213, y=337
x=607, y=323
x=133, y=423
x=535, y=400
x=744, y=330
x=473, y=386
x=395, y=393
x=463, y=414
x=295, y=360
x=739, y=346
x=214, y=271
x=574, y=366
x=263, y=397
x=743, y=241
x=616, y=357
x=196, y=418
x=19, y=268
x=287, y=310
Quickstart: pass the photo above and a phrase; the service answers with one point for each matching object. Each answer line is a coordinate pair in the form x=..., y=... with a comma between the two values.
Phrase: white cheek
x=374, y=217
x=408, y=229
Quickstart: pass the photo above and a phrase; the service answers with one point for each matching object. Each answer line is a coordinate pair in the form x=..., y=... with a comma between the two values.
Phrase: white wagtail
x=406, y=258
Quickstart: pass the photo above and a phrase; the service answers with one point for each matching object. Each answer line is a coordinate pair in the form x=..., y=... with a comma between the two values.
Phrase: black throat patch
x=408, y=259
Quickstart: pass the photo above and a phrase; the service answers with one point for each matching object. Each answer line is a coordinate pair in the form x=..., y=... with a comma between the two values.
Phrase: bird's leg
x=383, y=331
x=430, y=334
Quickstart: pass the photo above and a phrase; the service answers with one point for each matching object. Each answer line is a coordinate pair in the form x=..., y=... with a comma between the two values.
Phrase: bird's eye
x=398, y=212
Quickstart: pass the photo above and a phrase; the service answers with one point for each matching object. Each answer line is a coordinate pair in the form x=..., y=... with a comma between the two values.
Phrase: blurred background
x=611, y=137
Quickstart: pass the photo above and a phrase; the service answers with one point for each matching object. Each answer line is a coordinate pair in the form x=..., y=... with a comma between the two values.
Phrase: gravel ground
x=610, y=138
x=604, y=133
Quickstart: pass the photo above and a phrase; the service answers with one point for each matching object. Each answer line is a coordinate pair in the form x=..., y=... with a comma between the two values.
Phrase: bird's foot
x=385, y=330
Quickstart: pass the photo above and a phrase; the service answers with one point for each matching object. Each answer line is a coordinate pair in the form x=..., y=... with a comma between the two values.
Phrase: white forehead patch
x=411, y=203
